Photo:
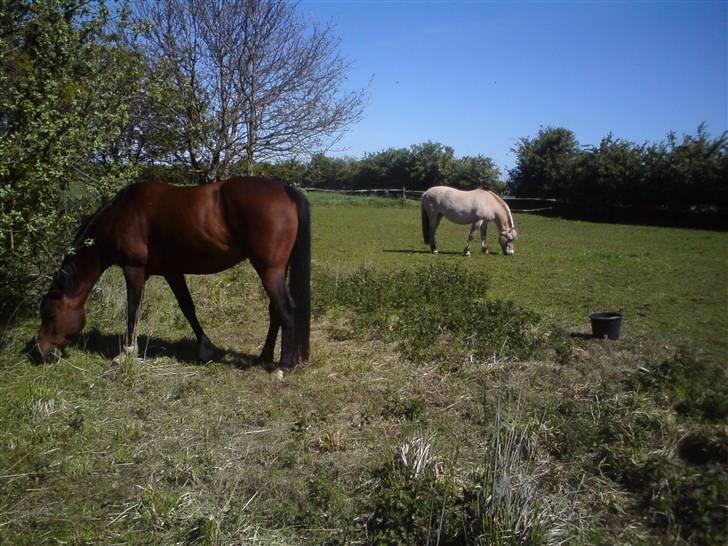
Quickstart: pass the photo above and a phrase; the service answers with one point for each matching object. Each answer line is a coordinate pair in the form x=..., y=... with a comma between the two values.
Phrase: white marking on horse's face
x=506, y=243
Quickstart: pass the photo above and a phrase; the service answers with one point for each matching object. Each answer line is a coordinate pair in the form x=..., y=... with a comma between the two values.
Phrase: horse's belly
x=193, y=261
x=462, y=218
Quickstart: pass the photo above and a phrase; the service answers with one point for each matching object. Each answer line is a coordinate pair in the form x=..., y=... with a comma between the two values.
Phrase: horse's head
x=61, y=317
x=506, y=239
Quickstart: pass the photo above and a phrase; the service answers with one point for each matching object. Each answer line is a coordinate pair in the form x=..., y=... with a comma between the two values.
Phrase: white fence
x=404, y=193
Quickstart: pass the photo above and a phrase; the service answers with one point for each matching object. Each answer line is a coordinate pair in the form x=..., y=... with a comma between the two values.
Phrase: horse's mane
x=66, y=278
x=505, y=206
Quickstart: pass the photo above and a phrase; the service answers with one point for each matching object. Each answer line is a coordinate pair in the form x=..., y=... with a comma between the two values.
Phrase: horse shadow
x=443, y=252
x=412, y=251
x=183, y=350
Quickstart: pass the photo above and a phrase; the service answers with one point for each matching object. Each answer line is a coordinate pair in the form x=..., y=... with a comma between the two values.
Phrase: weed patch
x=427, y=308
x=633, y=433
x=696, y=389
x=412, y=501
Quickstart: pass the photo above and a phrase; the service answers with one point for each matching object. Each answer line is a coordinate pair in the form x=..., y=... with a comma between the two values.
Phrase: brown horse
x=152, y=228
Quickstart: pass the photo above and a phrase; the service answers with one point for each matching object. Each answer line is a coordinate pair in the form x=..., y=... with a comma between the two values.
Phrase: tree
x=607, y=178
x=389, y=169
x=252, y=81
x=329, y=172
x=476, y=172
x=544, y=164
x=61, y=111
x=431, y=164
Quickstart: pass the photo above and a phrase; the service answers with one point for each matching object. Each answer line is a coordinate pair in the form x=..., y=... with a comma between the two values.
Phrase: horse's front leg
x=135, y=278
x=483, y=233
x=179, y=287
x=471, y=235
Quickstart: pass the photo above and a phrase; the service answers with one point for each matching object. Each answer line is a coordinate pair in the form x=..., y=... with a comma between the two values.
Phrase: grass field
x=670, y=284
x=571, y=440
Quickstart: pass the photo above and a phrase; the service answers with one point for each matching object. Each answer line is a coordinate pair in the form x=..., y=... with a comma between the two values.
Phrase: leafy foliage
x=693, y=387
x=623, y=434
x=415, y=168
x=544, y=162
x=412, y=501
x=621, y=178
x=61, y=114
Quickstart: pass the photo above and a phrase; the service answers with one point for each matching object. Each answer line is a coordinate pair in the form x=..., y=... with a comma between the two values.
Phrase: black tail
x=299, y=274
x=425, y=225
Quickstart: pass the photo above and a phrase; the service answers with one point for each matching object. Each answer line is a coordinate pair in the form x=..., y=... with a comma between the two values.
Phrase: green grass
x=602, y=442
x=670, y=283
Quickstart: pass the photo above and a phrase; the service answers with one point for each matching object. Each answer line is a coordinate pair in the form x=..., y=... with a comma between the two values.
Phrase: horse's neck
x=500, y=217
x=503, y=218
x=87, y=270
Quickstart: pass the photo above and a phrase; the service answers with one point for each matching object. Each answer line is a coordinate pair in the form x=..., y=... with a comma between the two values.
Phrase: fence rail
x=404, y=193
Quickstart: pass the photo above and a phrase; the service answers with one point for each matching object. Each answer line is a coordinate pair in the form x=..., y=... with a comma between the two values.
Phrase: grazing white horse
x=475, y=207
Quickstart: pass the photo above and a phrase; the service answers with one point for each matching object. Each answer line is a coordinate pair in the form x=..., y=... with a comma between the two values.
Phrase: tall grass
x=508, y=503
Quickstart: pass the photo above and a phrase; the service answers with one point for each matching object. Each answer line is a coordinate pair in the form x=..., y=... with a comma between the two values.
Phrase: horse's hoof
x=466, y=253
x=278, y=374
x=130, y=351
x=206, y=350
x=434, y=252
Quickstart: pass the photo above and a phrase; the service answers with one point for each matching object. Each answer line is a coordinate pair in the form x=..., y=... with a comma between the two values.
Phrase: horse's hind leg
x=471, y=235
x=281, y=316
x=178, y=284
x=434, y=223
x=266, y=354
x=483, y=233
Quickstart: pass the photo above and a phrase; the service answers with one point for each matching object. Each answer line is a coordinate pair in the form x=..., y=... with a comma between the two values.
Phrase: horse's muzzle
x=52, y=354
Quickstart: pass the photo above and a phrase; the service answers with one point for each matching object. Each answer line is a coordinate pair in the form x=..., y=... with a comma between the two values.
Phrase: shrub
x=422, y=308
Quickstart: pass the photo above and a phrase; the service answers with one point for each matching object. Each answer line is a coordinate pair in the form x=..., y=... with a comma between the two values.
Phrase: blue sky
x=477, y=76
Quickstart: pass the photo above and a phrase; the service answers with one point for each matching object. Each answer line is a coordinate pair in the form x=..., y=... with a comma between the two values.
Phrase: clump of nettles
x=428, y=309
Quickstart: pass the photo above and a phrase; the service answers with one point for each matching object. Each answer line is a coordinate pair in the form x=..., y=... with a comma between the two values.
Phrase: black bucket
x=606, y=325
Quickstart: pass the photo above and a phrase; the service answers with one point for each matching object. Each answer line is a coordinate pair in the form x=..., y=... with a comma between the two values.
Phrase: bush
x=426, y=308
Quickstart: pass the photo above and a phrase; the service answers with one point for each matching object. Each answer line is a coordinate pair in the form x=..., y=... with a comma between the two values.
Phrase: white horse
x=475, y=207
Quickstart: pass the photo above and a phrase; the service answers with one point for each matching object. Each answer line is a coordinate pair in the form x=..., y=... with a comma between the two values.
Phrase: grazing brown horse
x=152, y=228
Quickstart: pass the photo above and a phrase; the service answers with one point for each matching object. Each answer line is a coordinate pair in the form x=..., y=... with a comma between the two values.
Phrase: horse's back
x=459, y=206
x=197, y=229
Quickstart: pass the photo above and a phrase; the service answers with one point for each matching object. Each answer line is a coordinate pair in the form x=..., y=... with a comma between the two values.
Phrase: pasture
x=404, y=427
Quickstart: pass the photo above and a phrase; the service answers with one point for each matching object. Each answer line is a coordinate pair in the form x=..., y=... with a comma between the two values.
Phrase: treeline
x=677, y=181
x=418, y=167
